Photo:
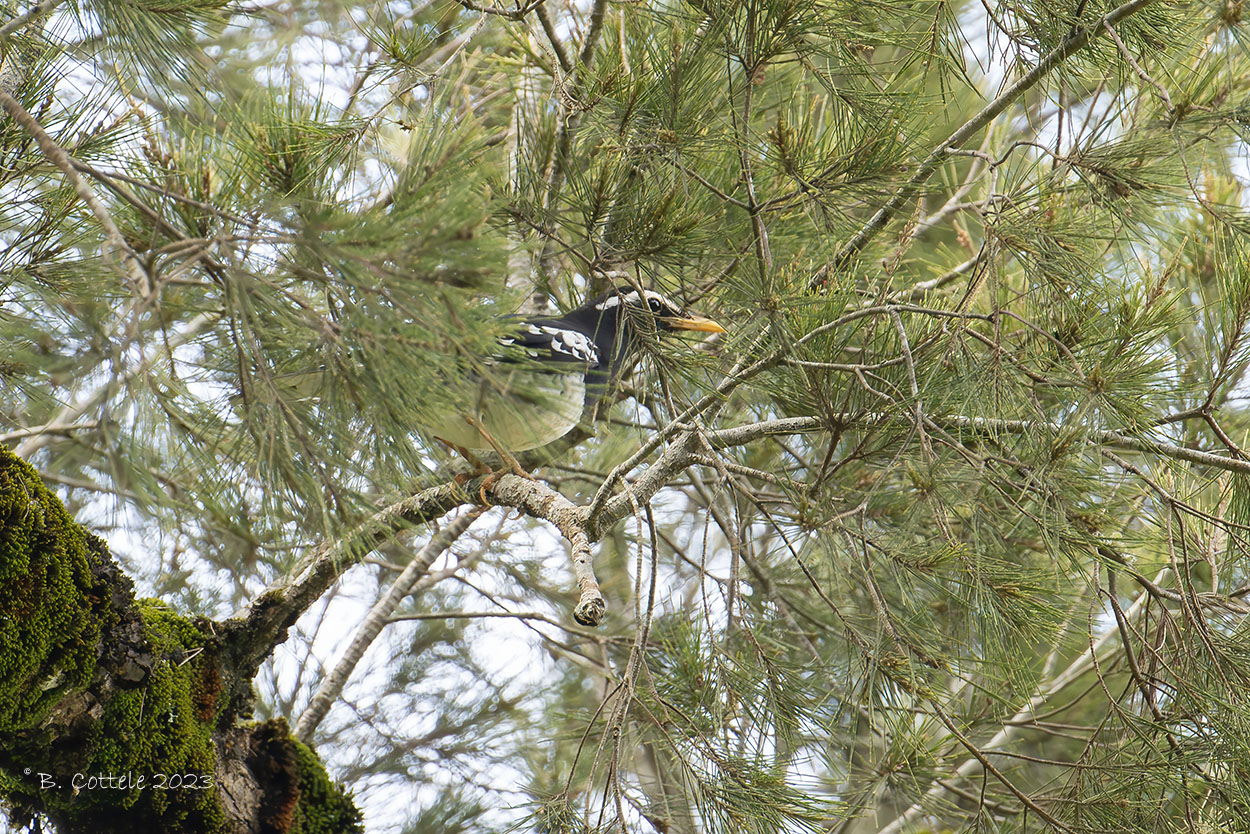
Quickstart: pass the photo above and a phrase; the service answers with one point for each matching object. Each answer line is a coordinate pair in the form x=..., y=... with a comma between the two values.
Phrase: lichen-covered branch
x=379, y=615
x=541, y=501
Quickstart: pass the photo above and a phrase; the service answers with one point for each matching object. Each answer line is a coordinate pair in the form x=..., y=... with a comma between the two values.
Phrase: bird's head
x=641, y=305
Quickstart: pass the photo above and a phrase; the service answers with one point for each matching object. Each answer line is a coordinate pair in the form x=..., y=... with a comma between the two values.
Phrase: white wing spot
x=572, y=343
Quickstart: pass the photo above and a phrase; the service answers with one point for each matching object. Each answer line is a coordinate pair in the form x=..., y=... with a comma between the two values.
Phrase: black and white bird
x=549, y=367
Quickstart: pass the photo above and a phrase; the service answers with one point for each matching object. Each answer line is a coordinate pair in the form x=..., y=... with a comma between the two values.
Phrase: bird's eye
x=656, y=305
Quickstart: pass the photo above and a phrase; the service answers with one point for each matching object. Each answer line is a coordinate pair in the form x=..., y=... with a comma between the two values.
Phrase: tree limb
x=252, y=633
x=264, y=624
x=38, y=10
x=331, y=685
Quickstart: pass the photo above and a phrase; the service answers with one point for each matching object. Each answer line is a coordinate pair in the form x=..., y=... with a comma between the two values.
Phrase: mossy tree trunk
x=119, y=714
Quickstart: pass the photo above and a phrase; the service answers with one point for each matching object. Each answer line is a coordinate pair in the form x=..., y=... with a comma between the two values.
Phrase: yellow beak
x=696, y=323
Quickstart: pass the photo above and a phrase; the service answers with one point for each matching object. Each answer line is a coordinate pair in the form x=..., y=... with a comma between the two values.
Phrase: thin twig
x=38, y=10
x=919, y=289
x=515, y=14
x=1141, y=73
x=68, y=417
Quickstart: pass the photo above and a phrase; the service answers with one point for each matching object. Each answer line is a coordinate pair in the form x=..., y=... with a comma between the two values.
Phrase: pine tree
x=948, y=532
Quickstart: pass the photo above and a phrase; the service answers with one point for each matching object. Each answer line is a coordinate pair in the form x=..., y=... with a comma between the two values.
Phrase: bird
x=535, y=389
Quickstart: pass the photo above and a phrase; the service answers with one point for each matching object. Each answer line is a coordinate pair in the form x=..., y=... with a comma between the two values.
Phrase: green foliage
x=152, y=36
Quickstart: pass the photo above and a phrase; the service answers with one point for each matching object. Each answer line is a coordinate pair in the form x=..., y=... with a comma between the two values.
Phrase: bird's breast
x=519, y=408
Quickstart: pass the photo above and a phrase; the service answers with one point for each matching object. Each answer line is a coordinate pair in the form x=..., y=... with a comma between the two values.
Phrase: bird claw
x=488, y=483
x=492, y=478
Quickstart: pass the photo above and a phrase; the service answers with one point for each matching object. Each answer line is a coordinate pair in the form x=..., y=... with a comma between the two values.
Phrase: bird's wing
x=550, y=340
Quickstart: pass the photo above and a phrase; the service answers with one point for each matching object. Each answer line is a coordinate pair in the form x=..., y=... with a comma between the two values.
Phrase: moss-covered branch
x=119, y=715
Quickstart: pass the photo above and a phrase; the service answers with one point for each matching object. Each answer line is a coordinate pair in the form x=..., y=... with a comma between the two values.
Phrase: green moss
x=168, y=631
x=149, y=760
x=159, y=731
x=324, y=806
x=299, y=796
x=52, y=609
x=55, y=603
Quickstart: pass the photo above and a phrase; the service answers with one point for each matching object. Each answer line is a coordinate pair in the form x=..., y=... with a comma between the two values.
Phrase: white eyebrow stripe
x=632, y=297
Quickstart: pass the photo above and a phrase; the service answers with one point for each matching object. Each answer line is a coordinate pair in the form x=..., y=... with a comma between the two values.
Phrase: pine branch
x=1076, y=41
x=53, y=428
x=571, y=90
x=591, y=41
x=69, y=417
x=141, y=282
x=36, y=11
x=741, y=435
x=759, y=231
x=253, y=633
x=974, y=766
x=553, y=37
x=1137, y=68
x=920, y=288
x=537, y=616
x=515, y=14
x=541, y=501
